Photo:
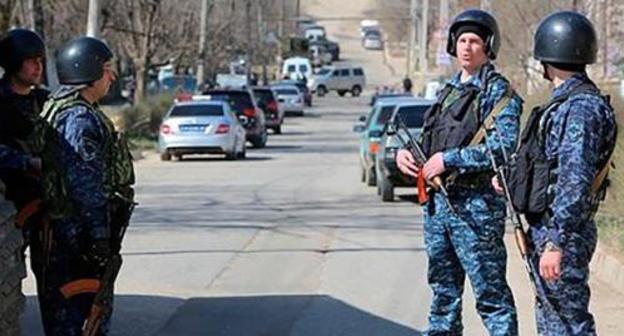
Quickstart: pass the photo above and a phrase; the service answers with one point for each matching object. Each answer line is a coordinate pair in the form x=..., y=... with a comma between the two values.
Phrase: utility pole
x=93, y=23
x=444, y=13
x=423, y=45
x=412, y=37
x=280, y=31
x=298, y=8
x=203, y=27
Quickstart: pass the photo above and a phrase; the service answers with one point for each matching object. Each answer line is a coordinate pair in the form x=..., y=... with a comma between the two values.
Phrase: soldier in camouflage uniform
x=468, y=239
x=575, y=136
x=86, y=169
x=22, y=54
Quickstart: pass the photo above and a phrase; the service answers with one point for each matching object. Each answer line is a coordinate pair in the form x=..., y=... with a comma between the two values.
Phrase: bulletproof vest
x=119, y=174
x=531, y=173
x=452, y=121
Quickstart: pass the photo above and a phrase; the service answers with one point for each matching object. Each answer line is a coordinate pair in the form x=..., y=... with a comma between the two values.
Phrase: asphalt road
x=288, y=241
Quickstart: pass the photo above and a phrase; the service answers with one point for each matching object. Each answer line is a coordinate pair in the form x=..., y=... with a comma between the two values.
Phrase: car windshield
x=287, y=92
x=263, y=96
x=196, y=111
x=385, y=114
x=238, y=101
x=303, y=68
x=323, y=72
x=413, y=116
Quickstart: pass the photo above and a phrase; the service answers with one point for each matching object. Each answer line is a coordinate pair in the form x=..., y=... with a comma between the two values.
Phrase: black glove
x=100, y=252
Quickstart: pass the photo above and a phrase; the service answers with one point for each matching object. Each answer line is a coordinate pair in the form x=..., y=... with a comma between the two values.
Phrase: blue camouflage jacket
x=582, y=135
x=13, y=159
x=82, y=154
x=476, y=158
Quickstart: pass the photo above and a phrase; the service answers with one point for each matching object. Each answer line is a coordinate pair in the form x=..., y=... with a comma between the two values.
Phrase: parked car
x=332, y=47
x=290, y=98
x=342, y=79
x=388, y=174
x=314, y=33
x=368, y=25
x=274, y=112
x=320, y=55
x=370, y=129
x=378, y=96
x=372, y=40
x=303, y=87
x=297, y=68
x=201, y=127
x=241, y=101
x=303, y=23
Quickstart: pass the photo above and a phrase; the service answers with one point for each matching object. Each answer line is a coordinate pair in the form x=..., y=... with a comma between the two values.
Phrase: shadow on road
x=279, y=315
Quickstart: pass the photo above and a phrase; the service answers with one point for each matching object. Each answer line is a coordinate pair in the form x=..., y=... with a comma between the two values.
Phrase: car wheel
x=165, y=156
x=321, y=91
x=362, y=174
x=387, y=190
x=231, y=156
x=356, y=91
x=260, y=141
x=341, y=93
x=179, y=157
x=371, y=179
x=243, y=153
x=278, y=129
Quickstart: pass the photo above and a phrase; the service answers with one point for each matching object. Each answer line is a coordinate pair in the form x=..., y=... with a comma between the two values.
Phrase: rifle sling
x=491, y=118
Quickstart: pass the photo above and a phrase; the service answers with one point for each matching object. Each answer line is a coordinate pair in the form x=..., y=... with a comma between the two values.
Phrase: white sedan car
x=201, y=126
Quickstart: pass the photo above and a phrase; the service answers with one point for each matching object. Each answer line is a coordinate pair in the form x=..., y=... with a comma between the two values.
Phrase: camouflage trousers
x=566, y=312
x=468, y=243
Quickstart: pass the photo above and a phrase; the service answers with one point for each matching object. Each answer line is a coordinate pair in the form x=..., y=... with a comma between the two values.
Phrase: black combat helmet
x=17, y=45
x=81, y=60
x=566, y=38
x=478, y=18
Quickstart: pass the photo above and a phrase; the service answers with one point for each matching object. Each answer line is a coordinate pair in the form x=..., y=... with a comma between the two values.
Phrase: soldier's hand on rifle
x=550, y=264
x=497, y=185
x=407, y=163
x=434, y=166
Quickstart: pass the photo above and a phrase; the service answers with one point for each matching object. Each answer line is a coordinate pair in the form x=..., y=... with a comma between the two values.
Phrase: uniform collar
x=474, y=80
x=569, y=85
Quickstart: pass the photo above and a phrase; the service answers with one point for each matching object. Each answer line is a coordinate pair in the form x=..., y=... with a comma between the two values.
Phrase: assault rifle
x=123, y=206
x=401, y=131
x=519, y=231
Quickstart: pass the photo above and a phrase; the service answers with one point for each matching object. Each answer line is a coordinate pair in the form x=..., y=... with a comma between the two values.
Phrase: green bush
x=142, y=120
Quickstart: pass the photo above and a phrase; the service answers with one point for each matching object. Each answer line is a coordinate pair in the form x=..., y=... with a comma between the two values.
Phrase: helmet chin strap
x=545, y=72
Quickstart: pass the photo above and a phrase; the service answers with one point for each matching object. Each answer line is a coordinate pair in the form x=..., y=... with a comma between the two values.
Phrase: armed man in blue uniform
x=558, y=176
x=88, y=178
x=464, y=233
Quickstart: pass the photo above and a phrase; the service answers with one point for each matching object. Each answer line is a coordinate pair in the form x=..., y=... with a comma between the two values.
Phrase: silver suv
x=340, y=78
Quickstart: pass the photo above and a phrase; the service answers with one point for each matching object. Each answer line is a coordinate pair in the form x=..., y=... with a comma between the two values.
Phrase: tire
x=371, y=178
x=387, y=190
x=231, y=156
x=362, y=174
x=277, y=129
x=321, y=91
x=165, y=156
x=356, y=91
x=12, y=301
x=243, y=154
x=342, y=93
x=260, y=141
x=179, y=157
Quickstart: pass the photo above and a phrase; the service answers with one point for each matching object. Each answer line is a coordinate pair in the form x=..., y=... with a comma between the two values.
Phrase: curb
x=607, y=268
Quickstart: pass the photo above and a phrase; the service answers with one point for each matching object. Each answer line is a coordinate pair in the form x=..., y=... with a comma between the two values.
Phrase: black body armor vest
x=531, y=173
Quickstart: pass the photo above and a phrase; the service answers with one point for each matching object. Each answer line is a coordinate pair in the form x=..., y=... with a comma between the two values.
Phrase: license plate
x=193, y=128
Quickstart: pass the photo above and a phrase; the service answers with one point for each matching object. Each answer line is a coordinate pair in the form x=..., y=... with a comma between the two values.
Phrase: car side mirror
x=362, y=119
x=358, y=128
